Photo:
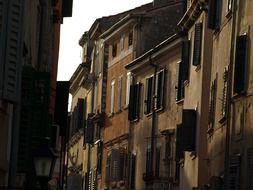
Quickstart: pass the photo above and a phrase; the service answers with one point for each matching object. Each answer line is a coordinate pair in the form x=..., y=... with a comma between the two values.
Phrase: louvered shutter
x=157, y=161
x=133, y=165
x=148, y=95
x=160, y=89
x=14, y=46
x=214, y=11
x=115, y=165
x=89, y=133
x=132, y=100
x=123, y=164
x=136, y=103
x=197, y=44
x=188, y=130
x=185, y=59
x=215, y=183
x=80, y=112
x=212, y=105
x=179, y=151
x=108, y=168
x=179, y=82
x=250, y=168
x=240, y=74
x=120, y=93
x=234, y=173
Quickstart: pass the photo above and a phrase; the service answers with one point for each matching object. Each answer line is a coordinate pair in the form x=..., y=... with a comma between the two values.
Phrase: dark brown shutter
x=179, y=82
x=108, y=168
x=80, y=108
x=89, y=132
x=234, y=173
x=133, y=165
x=160, y=89
x=136, y=103
x=197, y=44
x=250, y=168
x=123, y=164
x=99, y=156
x=115, y=175
x=148, y=161
x=179, y=151
x=148, y=95
x=132, y=100
x=13, y=55
x=240, y=74
x=185, y=59
x=188, y=130
x=157, y=161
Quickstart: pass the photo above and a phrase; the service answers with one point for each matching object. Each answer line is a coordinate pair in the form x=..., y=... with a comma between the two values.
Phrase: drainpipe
x=153, y=124
x=229, y=95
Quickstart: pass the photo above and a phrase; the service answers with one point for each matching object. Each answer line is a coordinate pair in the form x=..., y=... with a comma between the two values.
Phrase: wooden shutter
x=157, y=161
x=132, y=99
x=224, y=93
x=137, y=94
x=188, y=140
x=160, y=89
x=89, y=133
x=148, y=161
x=179, y=151
x=240, y=74
x=214, y=14
x=179, y=82
x=212, y=103
x=184, y=66
x=250, y=168
x=120, y=93
x=197, y=44
x=80, y=108
x=133, y=165
x=115, y=175
x=234, y=173
x=148, y=95
x=14, y=46
x=108, y=168
x=99, y=156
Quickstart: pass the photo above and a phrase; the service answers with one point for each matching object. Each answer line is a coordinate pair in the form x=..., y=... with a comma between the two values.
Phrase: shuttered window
x=130, y=38
x=120, y=93
x=214, y=14
x=250, y=168
x=240, y=70
x=157, y=161
x=134, y=103
x=148, y=161
x=197, y=44
x=234, y=173
x=188, y=140
x=224, y=93
x=108, y=168
x=129, y=81
x=212, y=103
x=133, y=165
x=115, y=165
x=99, y=156
x=112, y=96
x=148, y=95
x=89, y=132
x=159, y=91
x=80, y=113
x=13, y=52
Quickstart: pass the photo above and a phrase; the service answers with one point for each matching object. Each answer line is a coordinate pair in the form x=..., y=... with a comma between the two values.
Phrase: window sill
x=223, y=119
x=180, y=101
x=110, y=115
x=186, y=83
x=193, y=155
x=229, y=14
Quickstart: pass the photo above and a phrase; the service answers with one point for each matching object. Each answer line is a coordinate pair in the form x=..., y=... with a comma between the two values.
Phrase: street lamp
x=43, y=161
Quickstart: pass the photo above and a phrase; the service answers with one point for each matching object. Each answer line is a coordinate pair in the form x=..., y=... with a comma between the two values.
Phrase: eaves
x=155, y=53
x=192, y=14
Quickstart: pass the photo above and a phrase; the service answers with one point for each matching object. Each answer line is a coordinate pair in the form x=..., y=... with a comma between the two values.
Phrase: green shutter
x=197, y=44
x=13, y=58
x=240, y=74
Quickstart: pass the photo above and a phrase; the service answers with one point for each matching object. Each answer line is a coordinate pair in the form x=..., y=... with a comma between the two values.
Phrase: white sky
x=85, y=12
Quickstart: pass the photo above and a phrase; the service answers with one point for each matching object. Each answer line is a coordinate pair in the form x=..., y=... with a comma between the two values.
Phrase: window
x=112, y=96
x=122, y=39
x=240, y=70
x=157, y=161
x=212, y=103
x=229, y=5
x=197, y=44
x=214, y=13
x=120, y=93
x=134, y=103
x=234, y=172
x=114, y=50
x=158, y=94
x=99, y=156
x=130, y=38
x=129, y=81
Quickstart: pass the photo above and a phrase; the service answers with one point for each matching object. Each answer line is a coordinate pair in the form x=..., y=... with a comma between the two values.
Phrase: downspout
x=153, y=124
x=229, y=95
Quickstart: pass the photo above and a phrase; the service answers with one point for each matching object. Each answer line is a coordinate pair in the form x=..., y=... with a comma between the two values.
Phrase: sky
x=85, y=12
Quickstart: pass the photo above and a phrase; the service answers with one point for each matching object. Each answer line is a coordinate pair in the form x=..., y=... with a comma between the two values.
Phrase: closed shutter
x=213, y=14
x=197, y=44
x=14, y=45
x=133, y=165
x=120, y=93
x=250, y=168
x=188, y=130
x=224, y=93
x=212, y=105
x=179, y=82
x=148, y=161
x=99, y=156
x=157, y=161
x=240, y=74
x=123, y=164
x=136, y=105
x=234, y=173
x=179, y=151
x=115, y=175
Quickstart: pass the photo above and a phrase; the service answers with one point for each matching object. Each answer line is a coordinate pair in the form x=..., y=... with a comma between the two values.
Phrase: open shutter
x=148, y=161
x=120, y=93
x=185, y=59
x=160, y=89
x=214, y=10
x=99, y=156
x=148, y=95
x=197, y=44
x=250, y=168
x=240, y=64
x=108, y=168
x=234, y=173
x=80, y=107
x=136, y=103
x=132, y=100
x=188, y=130
x=89, y=133
x=179, y=82
x=14, y=46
